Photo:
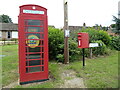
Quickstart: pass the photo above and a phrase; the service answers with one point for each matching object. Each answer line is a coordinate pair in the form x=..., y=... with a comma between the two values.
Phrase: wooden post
x=91, y=53
x=66, y=44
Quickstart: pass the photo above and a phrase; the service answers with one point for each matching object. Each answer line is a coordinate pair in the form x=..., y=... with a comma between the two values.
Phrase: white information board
x=67, y=33
x=93, y=45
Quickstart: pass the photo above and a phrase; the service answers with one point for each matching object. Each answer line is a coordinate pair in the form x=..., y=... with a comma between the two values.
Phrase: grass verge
x=98, y=73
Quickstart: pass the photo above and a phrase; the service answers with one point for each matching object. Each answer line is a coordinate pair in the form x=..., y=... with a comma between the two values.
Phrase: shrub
x=101, y=50
x=56, y=46
x=115, y=42
x=74, y=52
x=97, y=35
x=56, y=40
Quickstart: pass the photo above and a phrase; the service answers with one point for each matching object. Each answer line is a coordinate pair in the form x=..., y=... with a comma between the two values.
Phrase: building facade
x=8, y=31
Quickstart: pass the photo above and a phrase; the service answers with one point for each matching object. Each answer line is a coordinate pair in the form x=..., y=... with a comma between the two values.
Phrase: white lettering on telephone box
x=33, y=11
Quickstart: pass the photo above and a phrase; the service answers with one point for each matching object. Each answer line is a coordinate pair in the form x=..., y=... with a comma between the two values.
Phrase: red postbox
x=33, y=43
x=83, y=40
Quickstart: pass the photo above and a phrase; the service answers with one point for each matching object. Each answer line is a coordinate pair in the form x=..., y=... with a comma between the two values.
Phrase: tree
x=5, y=19
x=113, y=25
x=117, y=25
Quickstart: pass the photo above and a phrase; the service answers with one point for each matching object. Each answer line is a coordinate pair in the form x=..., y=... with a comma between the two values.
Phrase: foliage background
x=56, y=44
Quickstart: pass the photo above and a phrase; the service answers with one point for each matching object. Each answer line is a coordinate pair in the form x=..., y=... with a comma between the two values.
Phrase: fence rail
x=8, y=42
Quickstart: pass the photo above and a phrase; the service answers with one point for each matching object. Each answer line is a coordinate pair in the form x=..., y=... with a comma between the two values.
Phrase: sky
x=79, y=11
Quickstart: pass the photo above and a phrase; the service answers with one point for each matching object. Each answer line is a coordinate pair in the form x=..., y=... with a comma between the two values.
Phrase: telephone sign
x=33, y=43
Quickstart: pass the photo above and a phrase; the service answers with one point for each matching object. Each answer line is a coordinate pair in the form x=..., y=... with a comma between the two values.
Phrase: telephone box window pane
x=34, y=69
x=33, y=22
x=42, y=49
x=27, y=70
x=41, y=36
x=42, y=62
x=41, y=42
x=33, y=62
x=32, y=36
x=42, y=68
x=36, y=49
x=33, y=29
x=42, y=55
x=33, y=56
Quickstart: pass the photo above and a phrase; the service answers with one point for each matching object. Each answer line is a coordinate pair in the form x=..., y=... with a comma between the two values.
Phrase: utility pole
x=66, y=44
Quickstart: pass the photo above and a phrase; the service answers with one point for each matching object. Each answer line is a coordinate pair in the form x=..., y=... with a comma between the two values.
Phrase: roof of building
x=8, y=26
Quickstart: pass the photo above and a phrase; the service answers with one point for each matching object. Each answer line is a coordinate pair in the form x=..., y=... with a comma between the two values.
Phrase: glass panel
x=41, y=36
x=42, y=49
x=42, y=62
x=42, y=55
x=33, y=56
x=27, y=70
x=36, y=49
x=34, y=69
x=41, y=42
x=34, y=29
x=42, y=68
x=33, y=63
x=33, y=22
x=32, y=36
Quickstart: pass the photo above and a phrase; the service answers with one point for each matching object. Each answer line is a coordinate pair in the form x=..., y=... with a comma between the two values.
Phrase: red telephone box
x=33, y=43
x=83, y=40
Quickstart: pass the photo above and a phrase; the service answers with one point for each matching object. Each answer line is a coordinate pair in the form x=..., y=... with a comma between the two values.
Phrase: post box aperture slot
x=34, y=22
x=35, y=56
x=34, y=29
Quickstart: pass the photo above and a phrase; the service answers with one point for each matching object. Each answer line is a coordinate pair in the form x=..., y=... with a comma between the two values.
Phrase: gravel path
x=71, y=80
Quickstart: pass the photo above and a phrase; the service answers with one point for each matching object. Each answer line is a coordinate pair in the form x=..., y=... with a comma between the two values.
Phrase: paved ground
x=70, y=80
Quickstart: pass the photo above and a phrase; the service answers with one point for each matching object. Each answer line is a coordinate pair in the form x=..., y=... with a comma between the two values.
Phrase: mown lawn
x=101, y=72
x=9, y=64
x=98, y=73
x=10, y=69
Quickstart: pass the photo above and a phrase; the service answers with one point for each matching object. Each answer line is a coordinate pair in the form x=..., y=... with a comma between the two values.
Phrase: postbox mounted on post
x=33, y=43
x=83, y=40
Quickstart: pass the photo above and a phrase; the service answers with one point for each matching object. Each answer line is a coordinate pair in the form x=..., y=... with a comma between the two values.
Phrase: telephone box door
x=33, y=43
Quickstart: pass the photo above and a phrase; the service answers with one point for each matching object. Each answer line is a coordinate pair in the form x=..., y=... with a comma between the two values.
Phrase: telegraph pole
x=66, y=44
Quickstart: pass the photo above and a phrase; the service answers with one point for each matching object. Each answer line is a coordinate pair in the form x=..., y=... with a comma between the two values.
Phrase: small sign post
x=93, y=45
x=67, y=33
x=83, y=50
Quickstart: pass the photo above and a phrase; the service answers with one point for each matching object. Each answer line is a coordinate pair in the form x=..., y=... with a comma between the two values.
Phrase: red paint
x=33, y=40
x=83, y=40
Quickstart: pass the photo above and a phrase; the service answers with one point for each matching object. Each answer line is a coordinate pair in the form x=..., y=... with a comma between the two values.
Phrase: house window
x=9, y=34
